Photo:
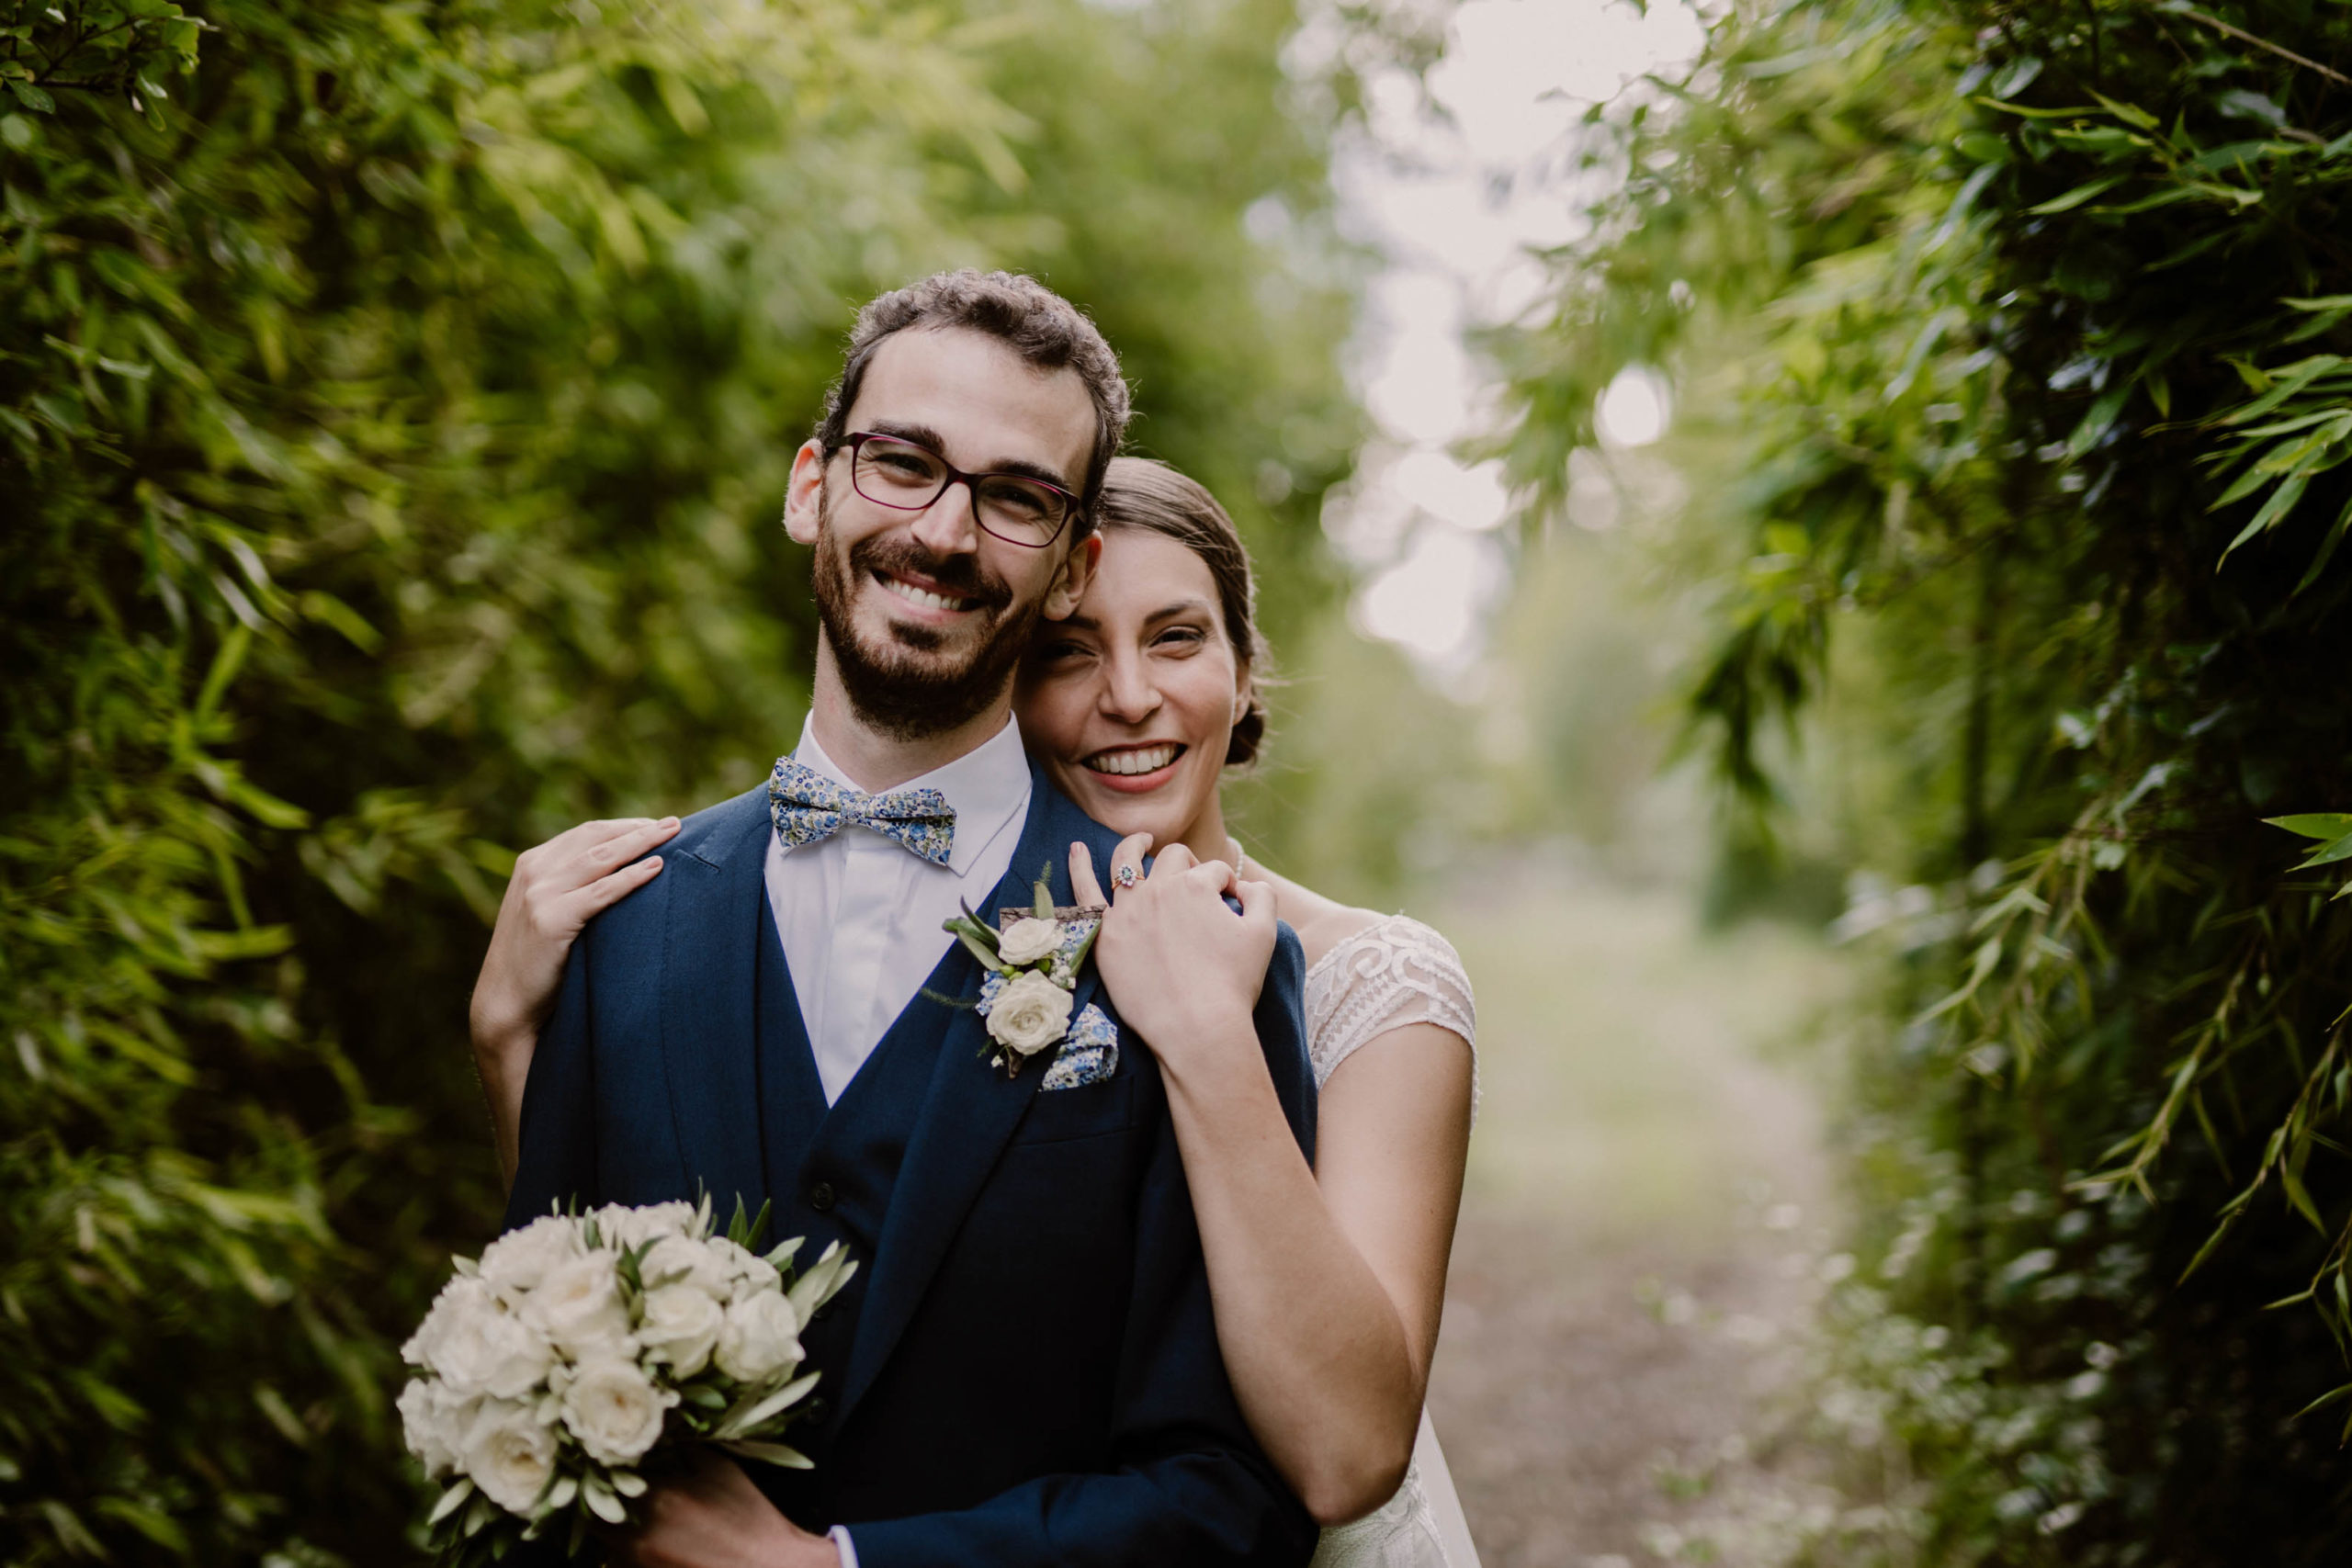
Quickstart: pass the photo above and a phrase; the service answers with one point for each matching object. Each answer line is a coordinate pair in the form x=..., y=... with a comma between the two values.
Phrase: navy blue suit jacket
x=1034, y=1374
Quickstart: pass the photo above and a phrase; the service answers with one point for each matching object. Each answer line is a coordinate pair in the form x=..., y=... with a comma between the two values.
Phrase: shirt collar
x=987, y=786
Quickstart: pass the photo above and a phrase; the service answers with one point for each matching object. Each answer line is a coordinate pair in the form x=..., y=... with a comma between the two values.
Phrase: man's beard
x=902, y=695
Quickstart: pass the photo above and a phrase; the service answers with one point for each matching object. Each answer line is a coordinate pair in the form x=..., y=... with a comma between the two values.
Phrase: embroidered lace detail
x=1394, y=972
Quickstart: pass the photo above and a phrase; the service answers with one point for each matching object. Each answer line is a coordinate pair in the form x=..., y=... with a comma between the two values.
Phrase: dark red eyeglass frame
x=855, y=442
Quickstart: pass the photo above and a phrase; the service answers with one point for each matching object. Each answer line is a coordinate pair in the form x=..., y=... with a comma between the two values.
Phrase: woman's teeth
x=922, y=596
x=1143, y=760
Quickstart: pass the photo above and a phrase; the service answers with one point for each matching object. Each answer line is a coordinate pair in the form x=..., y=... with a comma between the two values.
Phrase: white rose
x=1028, y=939
x=675, y=1260
x=510, y=1453
x=578, y=1306
x=1030, y=1014
x=761, y=1339
x=520, y=1260
x=494, y=1352
x=747, y=1271
x=621, y=1227
x=681, y=1326
x=434, y=1421
x=615, y=1410
x=457, y=1314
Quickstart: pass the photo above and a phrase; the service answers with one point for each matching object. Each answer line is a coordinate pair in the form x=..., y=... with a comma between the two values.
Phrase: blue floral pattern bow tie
x=808, y=808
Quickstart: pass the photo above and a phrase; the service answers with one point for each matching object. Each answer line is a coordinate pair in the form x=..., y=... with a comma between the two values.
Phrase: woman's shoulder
x=1329, y=930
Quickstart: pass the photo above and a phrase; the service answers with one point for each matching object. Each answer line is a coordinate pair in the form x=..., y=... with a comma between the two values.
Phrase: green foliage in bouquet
x=2024, y=336
x=395, y=401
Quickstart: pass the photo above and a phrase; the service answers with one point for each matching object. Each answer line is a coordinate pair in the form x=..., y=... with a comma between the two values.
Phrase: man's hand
x=714, y=1518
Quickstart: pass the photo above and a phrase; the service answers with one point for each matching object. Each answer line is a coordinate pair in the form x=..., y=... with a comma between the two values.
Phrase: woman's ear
x=1069, y=584
x=804, y=496
x=1244, y=691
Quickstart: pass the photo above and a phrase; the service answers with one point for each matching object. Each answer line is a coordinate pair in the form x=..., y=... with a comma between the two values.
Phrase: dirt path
x=1641, y=1231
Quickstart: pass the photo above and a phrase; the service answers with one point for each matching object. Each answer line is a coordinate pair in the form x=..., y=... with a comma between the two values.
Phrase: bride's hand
x=556, y=888
x=1184, y=969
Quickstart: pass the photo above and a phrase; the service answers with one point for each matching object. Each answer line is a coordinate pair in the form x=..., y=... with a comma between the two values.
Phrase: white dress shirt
x=860, y=916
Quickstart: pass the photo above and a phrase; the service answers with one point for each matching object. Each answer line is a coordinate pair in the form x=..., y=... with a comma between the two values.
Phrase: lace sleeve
x=1394, y=972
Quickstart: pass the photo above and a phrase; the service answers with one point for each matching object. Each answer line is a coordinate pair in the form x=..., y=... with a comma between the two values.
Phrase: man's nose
x=1129, y=694
x=948, y=525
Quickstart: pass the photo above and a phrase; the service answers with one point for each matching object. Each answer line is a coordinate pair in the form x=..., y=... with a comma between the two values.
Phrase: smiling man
x=1025, y=1368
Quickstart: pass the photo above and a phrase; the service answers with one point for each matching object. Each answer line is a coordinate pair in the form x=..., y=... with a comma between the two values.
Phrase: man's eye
x=1017, y=499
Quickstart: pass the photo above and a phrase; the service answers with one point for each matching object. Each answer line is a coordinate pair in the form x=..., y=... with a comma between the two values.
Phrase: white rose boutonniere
x=1027, y=940
x=1030, y=1014
x=1032, y=960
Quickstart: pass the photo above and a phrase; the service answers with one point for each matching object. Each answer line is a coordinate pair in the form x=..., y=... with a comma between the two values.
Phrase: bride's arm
x=1328, y=1281
x=556, y=888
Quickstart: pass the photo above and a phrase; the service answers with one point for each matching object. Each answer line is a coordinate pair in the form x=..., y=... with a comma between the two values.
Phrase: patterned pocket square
x=1090, y=1053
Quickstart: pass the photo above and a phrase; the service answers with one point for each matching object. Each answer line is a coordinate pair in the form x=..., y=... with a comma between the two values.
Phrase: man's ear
x=1069, y=585
x=804, y=496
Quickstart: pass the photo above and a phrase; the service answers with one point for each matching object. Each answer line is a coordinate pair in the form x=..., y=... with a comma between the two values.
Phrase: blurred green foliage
x=395, y=401
x=2028, y=326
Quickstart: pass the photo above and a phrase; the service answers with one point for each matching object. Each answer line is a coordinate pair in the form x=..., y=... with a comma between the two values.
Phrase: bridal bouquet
x=583, y=1350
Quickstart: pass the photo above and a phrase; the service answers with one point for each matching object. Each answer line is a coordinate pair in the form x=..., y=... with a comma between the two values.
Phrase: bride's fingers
x=606, y=891
x=1174, y=860
x=571, y=859
x=1127, y=859
x=1213, y=875
x=582, y=837
x=1083, y=886
x=600, y=857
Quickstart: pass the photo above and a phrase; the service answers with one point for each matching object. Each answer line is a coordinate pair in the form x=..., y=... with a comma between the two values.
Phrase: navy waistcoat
x=830, y=1171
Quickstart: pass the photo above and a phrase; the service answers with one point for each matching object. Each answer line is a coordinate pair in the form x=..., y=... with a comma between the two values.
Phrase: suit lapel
x=968, y=1112
x=709, y=976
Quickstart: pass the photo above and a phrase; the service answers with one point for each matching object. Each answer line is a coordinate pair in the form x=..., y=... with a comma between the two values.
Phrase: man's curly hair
x=1045, y=328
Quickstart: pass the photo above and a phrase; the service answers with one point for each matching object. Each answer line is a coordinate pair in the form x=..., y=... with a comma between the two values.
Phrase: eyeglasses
x=907, y=476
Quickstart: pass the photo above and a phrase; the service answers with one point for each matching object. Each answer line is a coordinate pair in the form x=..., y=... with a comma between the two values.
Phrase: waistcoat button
x=820, y=1197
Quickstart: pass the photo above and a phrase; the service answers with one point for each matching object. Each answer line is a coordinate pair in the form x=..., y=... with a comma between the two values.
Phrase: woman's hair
x=1144, y=493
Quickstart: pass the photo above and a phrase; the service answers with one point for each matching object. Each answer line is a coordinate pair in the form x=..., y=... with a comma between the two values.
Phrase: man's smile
x=924, y=596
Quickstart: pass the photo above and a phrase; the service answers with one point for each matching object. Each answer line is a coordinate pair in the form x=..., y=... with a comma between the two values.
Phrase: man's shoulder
x=1065, y=821
x=716, y=832
x=704, y=842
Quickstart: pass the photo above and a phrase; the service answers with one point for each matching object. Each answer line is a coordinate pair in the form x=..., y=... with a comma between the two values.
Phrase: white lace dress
x=1392, y=972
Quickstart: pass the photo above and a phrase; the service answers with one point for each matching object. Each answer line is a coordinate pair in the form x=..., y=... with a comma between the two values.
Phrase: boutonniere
x=1032, y=957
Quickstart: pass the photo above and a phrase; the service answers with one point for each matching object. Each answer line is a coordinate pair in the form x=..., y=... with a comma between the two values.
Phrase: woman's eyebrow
x=1086, y=623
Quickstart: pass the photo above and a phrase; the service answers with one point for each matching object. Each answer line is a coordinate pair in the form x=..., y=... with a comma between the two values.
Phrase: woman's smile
x=1139, y=769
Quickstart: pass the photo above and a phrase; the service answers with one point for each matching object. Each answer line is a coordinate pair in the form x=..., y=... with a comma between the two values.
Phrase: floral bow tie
x=808, y=808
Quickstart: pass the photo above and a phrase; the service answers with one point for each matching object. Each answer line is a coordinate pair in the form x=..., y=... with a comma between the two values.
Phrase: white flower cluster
x=1032, y=962
x=555, y=1365
x=1026, y=997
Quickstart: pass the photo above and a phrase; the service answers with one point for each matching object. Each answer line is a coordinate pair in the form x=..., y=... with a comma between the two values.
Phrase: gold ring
x=1125, y=876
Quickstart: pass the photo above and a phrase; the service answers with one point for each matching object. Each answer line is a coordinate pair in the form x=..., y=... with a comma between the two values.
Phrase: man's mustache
x=959, y=575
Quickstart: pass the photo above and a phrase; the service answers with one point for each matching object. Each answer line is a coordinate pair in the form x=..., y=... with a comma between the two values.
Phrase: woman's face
x=1129, y=704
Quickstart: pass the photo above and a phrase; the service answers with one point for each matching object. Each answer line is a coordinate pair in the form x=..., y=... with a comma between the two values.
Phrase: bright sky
x=1453, y=199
